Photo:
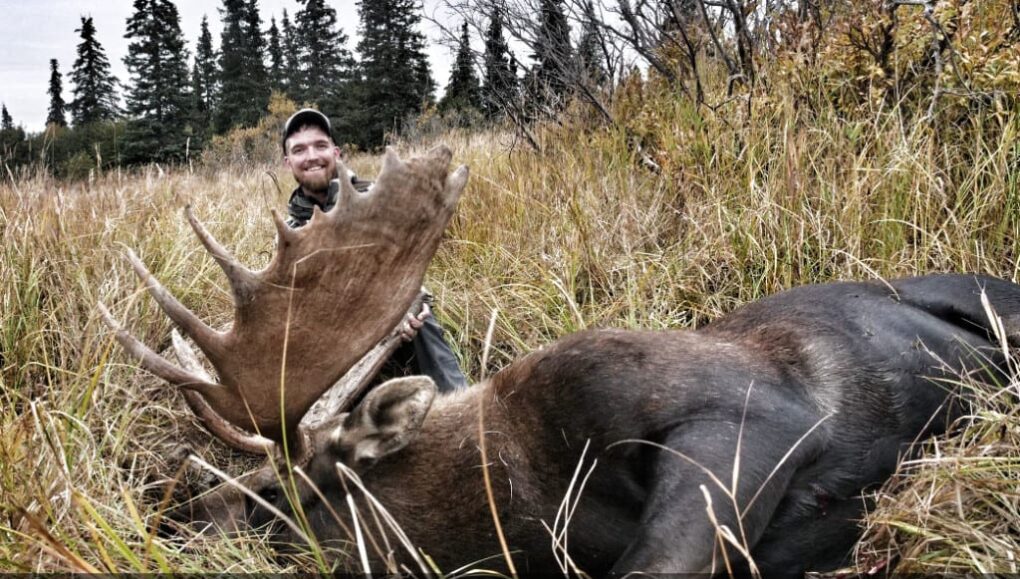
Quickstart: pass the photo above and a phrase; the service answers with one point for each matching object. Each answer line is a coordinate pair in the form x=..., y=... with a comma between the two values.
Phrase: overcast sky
x=34, y=31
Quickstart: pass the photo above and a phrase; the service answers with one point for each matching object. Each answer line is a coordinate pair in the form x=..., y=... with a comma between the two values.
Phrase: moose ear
x=387, y=419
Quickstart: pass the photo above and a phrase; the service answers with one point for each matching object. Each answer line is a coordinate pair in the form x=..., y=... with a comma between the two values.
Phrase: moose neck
x=435, y=487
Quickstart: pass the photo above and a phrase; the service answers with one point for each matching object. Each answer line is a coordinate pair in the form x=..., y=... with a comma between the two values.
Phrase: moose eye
x=269, y=494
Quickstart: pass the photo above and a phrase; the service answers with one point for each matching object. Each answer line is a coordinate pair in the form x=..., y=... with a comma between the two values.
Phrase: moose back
x=642, y=451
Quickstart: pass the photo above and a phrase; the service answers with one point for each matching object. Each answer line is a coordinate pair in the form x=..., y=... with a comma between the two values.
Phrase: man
x=311, y=154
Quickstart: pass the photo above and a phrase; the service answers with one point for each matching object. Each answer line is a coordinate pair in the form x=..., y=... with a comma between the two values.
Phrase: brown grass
x=580, y=236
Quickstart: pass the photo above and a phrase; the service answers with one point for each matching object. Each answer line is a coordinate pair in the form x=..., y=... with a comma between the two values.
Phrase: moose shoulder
x=811, y=396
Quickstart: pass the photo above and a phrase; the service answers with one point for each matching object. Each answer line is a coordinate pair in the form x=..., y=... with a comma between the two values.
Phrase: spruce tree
x=244, y=94
x=324, y=63
x=144, y=57
x=199, y=114
x=6, y=121
x=395, y=78
x=552, y=50
x=95, y=92
x=55, y=114
x=277, y=78
x=205, y=76
x=204, y=85
x=463, y=92
x=13, y=145
x=499, y=84
x=256, y=55
x=158, y=102
x=233, y=82
x=291, y=62
x=175, y=97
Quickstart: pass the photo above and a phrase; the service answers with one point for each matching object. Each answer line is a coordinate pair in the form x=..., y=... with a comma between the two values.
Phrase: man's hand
x=412, y=323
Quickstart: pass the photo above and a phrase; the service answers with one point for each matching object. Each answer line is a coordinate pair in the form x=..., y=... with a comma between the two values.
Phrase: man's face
x=312, y=157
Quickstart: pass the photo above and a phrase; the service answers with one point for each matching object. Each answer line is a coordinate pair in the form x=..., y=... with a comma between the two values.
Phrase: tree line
x=176, y=99
x=594, y=59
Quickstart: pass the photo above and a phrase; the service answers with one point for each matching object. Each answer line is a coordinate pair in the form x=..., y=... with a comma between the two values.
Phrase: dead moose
x=671, y=447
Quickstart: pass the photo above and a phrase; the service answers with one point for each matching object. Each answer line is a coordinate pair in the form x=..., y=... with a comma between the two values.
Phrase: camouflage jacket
x=300, y=206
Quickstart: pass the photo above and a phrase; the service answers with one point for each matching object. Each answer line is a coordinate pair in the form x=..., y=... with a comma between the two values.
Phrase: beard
x=315, y=185
x=318, y=183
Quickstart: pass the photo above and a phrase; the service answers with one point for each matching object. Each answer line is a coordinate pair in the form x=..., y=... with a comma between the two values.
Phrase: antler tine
x=345, y=197
x=391, y=160
x=317, y=215
x=152, y=361
x=397, y=176
x=206, y=338
x=242, y=280
x=213, y=422
x=284, y=231
x=347, y=190
x=455, y=184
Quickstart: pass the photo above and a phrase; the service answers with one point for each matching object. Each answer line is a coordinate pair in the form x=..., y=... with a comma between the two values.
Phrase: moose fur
x=801, y=402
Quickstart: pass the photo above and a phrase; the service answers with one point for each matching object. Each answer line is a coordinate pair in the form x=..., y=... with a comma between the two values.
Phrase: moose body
x=821, y=389
x=631, y=451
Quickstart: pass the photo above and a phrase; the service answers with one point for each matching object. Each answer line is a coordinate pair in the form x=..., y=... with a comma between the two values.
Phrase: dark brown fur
x=823, y=388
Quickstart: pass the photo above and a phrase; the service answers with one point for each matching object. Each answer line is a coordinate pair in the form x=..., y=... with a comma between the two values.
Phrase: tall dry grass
x=579, y=236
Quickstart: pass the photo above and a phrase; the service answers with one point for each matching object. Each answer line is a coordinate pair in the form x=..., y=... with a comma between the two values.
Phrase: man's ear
x=387, y=419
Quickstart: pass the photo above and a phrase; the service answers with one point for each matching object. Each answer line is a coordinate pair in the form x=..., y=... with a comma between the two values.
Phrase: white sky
x=34, y=31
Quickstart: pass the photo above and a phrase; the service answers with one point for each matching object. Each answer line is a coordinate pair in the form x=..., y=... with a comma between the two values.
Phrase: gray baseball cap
x=303, y=118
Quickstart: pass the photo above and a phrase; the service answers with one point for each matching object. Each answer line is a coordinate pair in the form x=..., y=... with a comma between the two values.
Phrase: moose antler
x=334, y=289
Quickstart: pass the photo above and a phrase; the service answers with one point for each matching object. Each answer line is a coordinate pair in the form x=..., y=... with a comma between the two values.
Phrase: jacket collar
x=301, y=206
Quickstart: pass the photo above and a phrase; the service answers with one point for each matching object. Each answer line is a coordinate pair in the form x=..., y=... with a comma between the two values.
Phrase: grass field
x=576, y=237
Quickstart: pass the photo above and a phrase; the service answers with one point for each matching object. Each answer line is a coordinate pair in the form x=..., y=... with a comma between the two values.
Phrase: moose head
x=334, y=290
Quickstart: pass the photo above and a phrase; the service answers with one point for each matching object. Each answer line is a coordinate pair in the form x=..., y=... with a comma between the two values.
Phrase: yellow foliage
x=877, y=51
x=252, y=145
